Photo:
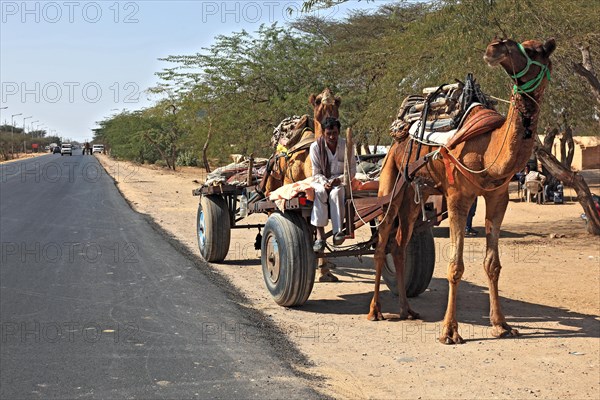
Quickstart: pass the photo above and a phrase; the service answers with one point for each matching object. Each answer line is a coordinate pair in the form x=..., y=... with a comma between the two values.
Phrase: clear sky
x=68, y=64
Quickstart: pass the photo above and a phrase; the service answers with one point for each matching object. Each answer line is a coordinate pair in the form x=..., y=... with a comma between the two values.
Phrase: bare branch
x=585, y=69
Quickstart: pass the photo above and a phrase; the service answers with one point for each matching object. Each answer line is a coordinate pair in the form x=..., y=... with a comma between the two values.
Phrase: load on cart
x=286, y=239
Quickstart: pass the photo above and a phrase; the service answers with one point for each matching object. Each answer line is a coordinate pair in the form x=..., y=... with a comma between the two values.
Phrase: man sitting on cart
x=327, y=156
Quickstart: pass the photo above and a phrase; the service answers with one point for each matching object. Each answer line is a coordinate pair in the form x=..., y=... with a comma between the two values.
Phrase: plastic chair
x=535, y=188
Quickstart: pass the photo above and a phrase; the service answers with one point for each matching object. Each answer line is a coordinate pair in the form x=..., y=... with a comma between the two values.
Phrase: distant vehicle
x=98, y=148
x=56, y=150
x=47, y=148
x=66, y=148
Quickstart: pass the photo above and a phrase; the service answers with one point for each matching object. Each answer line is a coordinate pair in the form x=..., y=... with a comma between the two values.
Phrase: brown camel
x=493, y=157
x=297, y=165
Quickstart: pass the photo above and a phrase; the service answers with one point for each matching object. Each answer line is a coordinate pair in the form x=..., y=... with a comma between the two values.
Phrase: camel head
x=324, y=104
x=527, y=63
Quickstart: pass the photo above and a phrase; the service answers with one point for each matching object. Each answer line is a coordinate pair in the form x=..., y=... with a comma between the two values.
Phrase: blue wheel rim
x=201, y=234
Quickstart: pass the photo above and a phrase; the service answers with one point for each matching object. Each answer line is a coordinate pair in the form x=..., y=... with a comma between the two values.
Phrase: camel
x=297, y=165
x=493, y=157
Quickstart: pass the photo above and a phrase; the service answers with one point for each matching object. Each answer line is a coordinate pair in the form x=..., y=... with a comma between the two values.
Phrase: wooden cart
x=288, y=260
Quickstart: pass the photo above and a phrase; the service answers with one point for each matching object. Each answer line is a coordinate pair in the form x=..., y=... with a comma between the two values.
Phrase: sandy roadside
x=23, y=156
x=550, y=290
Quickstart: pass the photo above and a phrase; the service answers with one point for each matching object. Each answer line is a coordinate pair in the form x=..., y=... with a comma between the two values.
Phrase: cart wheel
x=418, y=270
x=213, y=228
x=288, y=260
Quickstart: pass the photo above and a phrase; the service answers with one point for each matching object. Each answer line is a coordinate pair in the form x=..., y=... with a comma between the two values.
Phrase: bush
x=187, y=158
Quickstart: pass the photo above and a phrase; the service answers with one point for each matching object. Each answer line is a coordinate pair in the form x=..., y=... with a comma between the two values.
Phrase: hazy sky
x=68, y=64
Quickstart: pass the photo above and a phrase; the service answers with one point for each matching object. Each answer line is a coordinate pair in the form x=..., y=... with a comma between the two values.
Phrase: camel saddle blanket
x=476, y=120
x=303, y=144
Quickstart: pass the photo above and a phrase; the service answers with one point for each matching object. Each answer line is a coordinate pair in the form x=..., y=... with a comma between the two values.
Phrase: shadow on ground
x=473, y=310
x=444, y=232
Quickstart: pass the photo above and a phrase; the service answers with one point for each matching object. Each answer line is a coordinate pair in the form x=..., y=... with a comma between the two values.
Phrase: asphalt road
x=95, y=303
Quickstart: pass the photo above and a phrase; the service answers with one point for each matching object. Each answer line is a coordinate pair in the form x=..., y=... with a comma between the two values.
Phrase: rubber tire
x=418, y=270
x=297, y=262
x=213, y=228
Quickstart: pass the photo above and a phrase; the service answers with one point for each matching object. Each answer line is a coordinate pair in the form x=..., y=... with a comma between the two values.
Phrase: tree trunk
x=567, y=147
x=549, y=139
x=173, y=156
x=162, y=153
x=549, y=145
x=366, y=147
x=204, y=157
x=585, y=69
x=359, y=148
x=575, y=181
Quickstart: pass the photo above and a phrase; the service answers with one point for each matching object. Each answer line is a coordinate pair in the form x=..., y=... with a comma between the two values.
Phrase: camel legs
x=410, y=212
x=495, y=205
x=399, y=257
x=384, y=232
x=458, y=208
x=403, y=200
x=386, y=185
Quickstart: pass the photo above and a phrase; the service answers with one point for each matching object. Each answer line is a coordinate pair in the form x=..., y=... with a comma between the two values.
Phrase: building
x=587, y=151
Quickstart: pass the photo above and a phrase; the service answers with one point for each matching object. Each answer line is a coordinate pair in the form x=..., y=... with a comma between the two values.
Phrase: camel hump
x=478, y=121
x=304, y=129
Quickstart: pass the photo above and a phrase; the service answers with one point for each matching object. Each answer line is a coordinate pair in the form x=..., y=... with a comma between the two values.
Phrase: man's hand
x=334, y=182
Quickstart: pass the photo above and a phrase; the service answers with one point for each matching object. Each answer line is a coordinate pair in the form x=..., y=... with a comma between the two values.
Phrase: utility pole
x=25, y=133
x=12, y=132
x=25, y=118
x=33, y=122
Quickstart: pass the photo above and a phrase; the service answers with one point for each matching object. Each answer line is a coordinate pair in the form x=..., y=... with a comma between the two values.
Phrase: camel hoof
x=451, y=337
x=504, y=330
x=455, y=339
x=375, y=313
x=375, y=316
x=410, y=315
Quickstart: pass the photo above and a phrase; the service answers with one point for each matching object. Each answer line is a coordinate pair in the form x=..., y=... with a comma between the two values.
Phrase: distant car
x=66, y=148
x=56, y=150
x=98, y=148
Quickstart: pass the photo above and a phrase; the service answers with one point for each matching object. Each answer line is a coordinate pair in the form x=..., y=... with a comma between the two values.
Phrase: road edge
x=289, y=352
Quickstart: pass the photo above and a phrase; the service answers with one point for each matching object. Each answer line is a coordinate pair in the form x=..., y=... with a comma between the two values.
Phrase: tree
x=575, y=181
x=250, y=82
x=357, y=52
x=586, y=69
x=438, y=47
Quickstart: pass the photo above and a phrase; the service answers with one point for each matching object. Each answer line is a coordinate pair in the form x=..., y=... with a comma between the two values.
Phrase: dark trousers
x=471, y=214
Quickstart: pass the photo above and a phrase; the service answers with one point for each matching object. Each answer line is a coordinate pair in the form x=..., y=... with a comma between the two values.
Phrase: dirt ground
x=549, y=288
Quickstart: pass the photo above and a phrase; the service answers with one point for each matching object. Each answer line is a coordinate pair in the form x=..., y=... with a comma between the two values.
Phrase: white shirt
x=336, y=161
x=535, y=176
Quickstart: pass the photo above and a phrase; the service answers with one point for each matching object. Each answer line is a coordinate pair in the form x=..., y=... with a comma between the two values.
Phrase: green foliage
x=123, y=132
x=187, y=158
x=243, y=86
x=14, y=141
x=10, y=128
x=143, y=136
x=239, y=88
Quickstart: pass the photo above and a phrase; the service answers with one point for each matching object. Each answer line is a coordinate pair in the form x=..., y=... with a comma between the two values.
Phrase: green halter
x=533, y=84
